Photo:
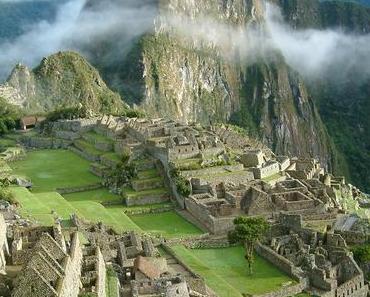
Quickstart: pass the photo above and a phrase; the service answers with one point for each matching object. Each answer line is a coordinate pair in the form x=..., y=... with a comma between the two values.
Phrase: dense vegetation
x=9, y=116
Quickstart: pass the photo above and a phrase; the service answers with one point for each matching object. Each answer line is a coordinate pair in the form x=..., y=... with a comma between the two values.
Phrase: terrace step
x=83, y=154
x=140, y=185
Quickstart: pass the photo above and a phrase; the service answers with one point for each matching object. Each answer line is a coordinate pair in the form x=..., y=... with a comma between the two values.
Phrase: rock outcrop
x=62, y=80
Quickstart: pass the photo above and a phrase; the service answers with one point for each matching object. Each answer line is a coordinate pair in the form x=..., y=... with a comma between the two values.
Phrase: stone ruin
x=321, y=262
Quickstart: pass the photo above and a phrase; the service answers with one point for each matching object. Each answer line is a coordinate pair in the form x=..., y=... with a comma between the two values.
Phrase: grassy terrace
x=99, y=195
x=87, y=147
x=51, y=169
x=170, y=224
x=133, y=194
x=226, y=271
x=97, y=137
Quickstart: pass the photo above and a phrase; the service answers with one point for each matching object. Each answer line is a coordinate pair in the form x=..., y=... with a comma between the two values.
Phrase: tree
x=248, y=231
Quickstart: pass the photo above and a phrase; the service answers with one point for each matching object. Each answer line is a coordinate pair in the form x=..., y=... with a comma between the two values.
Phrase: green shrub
x=361, y=253
x=6, y=195
x=182, y=184
x=69, y=113
x=9, y=116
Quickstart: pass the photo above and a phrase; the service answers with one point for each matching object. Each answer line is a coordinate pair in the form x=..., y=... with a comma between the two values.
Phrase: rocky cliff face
x=192, y=80
x=344, y=105
x=61, y=80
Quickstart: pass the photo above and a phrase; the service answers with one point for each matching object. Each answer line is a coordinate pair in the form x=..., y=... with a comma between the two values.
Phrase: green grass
x=32, y=207
x=97, y=137
x=113, y=157
x=114, y=217
x=169, y=224
x=99, y=195
x=111, y=283
x=150, y=173
x=226, y=271
x=87, y=147
x=51, y=169
x=133, y=194
x=40, y=206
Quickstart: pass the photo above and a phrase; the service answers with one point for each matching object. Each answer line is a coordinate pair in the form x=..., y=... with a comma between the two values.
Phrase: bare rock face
x=61, y=80
x=194, y=80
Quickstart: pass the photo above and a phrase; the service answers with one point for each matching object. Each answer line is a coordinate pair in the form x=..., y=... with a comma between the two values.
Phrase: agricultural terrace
x=226, y=272
x=52, y=169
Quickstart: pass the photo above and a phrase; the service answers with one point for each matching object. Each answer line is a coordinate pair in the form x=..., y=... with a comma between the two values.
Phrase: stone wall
x=4, y=249
x=213, y=170
x=219, y=225
x=69, y=286
x=287, y=291
x=279, y=261
x=44, y=142
x=85, y=188
x=353, y=237
x=147, y=199
x=101, y=274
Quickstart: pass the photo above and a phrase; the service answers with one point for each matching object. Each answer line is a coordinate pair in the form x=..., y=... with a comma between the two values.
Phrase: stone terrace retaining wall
x=173, y=254
x=44, y=142
x=279, y=261
x=148, y=199
x=85, y=188
x=287, y=291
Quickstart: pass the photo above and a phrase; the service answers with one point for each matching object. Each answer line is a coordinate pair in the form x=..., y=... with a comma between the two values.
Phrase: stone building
x=93, y=272
x=30, y=122
x=51, y=270
x=319, y=260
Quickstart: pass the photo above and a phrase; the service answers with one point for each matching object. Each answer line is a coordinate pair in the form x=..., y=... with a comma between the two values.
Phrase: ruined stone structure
x=51, y=270
x=319, y=260
x=4, y=249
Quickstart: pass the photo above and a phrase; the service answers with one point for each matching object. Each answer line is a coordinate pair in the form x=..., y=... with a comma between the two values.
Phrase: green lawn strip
x=111, y=283
x=95, y=212
x=213, y=280
x=43, y=219
x=57, y=203
x=99, y=195
x=150, y=173
x=113, y=157
x=98, y=137
x=29, y=202
x=51, y=169
x=88, y=147
x=133, y=194
x=142, y=207
x=229, y=264
x=146, y=180
x=168, y=224
x=32, y=207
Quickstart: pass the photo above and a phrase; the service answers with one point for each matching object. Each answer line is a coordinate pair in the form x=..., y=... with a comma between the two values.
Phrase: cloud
x=113, y=25
x=313, y=53
x=77, y=27
x=319, y=53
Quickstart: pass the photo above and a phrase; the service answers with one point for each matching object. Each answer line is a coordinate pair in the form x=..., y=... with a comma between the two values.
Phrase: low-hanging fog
x=313, y=53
